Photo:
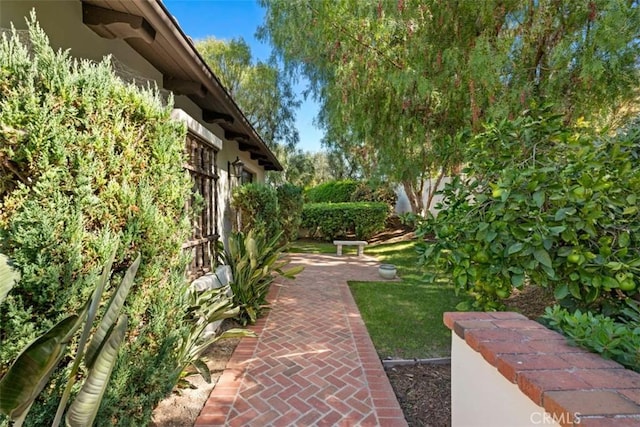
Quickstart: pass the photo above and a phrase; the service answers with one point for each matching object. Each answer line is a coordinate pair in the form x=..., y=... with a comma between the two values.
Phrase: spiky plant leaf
x=32, y=368
x=89, y=314
x=84, y=408
x=112, y=313
x=202, y=369
x=8, y=277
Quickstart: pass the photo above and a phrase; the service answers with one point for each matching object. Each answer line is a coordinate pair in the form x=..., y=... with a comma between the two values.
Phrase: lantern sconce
x=238, y=167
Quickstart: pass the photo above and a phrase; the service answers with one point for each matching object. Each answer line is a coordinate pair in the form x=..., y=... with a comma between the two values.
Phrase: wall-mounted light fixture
x=238, y=167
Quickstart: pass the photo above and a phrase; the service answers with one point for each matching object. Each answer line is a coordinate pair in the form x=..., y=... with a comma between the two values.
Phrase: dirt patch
x=183, y=406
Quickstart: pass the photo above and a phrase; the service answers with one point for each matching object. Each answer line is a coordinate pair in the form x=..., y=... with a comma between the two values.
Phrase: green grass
x=404, y=318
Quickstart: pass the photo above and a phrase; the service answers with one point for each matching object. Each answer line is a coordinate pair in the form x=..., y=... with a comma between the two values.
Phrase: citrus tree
x=545, y=204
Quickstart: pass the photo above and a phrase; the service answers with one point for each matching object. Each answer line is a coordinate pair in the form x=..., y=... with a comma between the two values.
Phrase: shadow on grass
x=404, y=318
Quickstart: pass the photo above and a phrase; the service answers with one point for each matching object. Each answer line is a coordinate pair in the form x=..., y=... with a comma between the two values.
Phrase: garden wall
x=508, y=370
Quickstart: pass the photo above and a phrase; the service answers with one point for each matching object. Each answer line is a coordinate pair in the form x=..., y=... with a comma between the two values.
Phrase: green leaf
x=557, y=230
x=112, y=313
x=542, y=256
x=33, y=367
x=84, y=408
x=624, y=240
x=515, y=248
x=538, y=198
x=574, y=289
x=630, y=210
x=461, y=280
x=561, y=292
x=614, y=266
x=293, y=272
x=517, y=280
x=8, y=277
x=89, y=314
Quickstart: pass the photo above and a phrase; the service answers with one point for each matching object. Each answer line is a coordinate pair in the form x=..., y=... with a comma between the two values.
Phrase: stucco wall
x=481, y=396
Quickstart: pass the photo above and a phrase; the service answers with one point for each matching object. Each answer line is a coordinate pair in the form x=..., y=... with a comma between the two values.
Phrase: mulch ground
x=424, y=393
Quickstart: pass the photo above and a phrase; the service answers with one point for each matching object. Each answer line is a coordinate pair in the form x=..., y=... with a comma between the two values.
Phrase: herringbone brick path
x=313, y=363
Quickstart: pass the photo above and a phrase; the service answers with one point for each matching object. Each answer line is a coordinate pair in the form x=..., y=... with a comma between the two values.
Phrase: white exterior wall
x=403, y=205
x=482, y=397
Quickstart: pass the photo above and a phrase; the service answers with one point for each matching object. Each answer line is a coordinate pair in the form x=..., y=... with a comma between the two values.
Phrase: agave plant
x=202, y=309
x=33, y=367
x=255, y=262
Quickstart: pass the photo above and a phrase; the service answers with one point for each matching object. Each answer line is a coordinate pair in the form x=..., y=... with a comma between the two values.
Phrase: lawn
x=404, y=318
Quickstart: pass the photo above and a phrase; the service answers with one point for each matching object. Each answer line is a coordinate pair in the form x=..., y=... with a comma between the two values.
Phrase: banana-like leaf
x=293, y=272
x=84, y=408
x=89, y=315
x=231, y=333
x=8, y=277
x=33, y=367
x=112, y=313
x=202, y=369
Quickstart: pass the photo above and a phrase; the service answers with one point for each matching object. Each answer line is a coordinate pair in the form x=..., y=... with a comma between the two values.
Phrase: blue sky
x=226, y=19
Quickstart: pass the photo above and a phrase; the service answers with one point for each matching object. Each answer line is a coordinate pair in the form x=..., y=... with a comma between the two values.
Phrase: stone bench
x=359, y=243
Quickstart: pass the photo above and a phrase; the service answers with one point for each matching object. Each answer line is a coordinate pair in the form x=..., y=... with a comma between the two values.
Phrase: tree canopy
x=400, y=82
x=266, y=98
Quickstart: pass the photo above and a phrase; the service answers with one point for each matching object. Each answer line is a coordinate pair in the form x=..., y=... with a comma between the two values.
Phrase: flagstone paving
x=313, y=363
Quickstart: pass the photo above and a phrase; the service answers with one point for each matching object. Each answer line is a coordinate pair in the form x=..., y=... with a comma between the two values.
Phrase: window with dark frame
x=202, y=167
x=246, y=177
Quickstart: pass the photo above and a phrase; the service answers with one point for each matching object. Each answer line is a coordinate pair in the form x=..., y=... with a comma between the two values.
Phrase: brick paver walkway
x=313, y=363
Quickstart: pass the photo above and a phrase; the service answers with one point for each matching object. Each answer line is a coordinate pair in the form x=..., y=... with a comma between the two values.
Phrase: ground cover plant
x=85, y=160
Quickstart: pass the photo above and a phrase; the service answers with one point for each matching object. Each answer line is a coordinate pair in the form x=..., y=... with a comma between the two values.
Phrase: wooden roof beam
x=184, y=87
x=235, y=136
x=211, y=116
x=258, y=156
x=112, y=24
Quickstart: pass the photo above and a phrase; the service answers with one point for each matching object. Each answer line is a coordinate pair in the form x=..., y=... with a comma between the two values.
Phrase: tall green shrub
x=257, y=204
x=332, y=192
x=85, y=157
x=330, y=220
x=290, y=203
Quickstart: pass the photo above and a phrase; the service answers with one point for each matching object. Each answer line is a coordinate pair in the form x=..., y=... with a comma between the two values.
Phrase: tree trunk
x=415, y=196
x=433, y=188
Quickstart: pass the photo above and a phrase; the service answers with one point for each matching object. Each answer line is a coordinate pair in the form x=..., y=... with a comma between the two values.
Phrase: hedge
x=331, y=220
x=332, y=192
x=87, y=160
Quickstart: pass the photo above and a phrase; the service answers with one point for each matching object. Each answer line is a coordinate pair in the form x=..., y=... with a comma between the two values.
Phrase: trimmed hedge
x=332, y=192
x=331, y=220
x=86, y=159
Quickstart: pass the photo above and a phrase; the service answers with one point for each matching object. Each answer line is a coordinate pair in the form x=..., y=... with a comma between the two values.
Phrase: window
x=246, y=177
x=202, y=167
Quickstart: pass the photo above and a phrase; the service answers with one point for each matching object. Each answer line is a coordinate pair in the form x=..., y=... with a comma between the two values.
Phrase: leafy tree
x=564, y=216
x=400, y=81
x=265, y=97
